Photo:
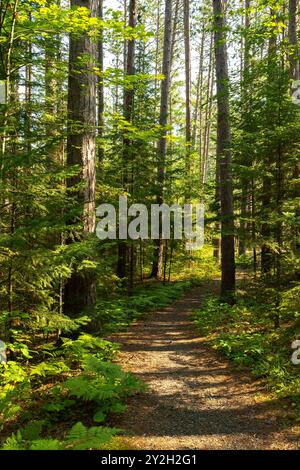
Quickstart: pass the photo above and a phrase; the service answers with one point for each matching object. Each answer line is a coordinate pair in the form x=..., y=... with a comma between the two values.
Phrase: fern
x=82, y=438
x=104, y=383
x=32, y=430
x=78, y=438
x=14, y=442
x=46, y=444
x=49, y=368
x=86, y=344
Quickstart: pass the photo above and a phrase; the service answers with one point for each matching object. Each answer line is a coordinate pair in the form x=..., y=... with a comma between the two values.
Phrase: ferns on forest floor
x=79, y=437
x=75, y=380
x=246, y=334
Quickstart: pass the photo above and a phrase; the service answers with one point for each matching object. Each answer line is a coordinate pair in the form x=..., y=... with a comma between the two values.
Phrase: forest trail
x=195, y=399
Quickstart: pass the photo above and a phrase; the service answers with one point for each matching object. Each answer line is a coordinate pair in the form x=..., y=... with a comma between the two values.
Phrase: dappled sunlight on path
x=195, y=399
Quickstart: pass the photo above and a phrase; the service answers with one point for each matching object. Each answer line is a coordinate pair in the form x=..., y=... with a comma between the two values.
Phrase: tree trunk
x=128, y=115
x=224, y=154
x=295, y=75
x=100, y=90
x=208, y=113
x=292, y=33
x=174, y=33
x=80, y=289
x=267, y=255
x=157, y=48
x=188, y=113
x=244, y=182
x=163, y=121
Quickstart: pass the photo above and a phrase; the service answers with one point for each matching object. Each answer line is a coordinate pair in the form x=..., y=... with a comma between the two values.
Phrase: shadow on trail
x=192, y=392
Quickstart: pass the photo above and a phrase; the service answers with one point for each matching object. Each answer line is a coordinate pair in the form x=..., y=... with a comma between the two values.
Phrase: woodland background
x=176, y=101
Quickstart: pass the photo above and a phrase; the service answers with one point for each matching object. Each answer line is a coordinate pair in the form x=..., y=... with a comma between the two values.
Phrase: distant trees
x=172, y=134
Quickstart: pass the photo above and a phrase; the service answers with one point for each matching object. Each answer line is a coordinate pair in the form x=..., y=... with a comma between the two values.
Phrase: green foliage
x=245, y=349
x=213, y=314
x=57, y=362
x=78, y=437
x=104, y=384
x=116, y=314
x=82, y=438
x=15, y=384
x=290, y=303
x=94, y=378
x=246, y=334
x=76, y=350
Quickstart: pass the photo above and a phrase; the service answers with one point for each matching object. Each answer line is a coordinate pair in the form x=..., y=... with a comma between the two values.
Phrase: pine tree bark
x=80, y=289
x=163, y=121
x=188, y=109
x=294, y=58
x=174, y=33
x=293, y=40
x=208, y=113
x=157, y=48
x=224, y=154
x=128, y=115
x=100, y=90
x=199, y=92
x=244, y=182
x=267, y=254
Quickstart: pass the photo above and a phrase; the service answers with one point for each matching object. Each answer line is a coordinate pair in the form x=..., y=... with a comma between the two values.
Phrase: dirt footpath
x=195, y=399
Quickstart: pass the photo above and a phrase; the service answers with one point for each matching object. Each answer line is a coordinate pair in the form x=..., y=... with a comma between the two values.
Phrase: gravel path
x=195, y=399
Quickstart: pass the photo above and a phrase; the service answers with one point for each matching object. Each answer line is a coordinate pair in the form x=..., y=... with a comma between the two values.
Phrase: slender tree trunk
x=292, y=34
x=125, y=51
x=199, y=89
x=294, y=57
x=244, y=182
x=163, y=121
x=28, y=96
x=100, y=90
x=128, y=115
x=11, y=98
x=217, y=196
x=188, y=111
x=174, y=33
x=13, y=178
x=217, y=199
x=266, y=251
x=224, y=154
x=7, y=72
x=208, y=113
x=80, y=289
x=157, y=38
x=253, y=223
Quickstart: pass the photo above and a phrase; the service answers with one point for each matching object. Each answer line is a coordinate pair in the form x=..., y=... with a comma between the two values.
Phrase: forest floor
x=195, y=398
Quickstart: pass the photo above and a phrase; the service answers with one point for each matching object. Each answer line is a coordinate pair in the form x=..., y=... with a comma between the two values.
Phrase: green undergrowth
x=46, y=402
x=257, y=334
x=61, y=384
x=120, y=309
x=117, y=313
x=61, y=394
